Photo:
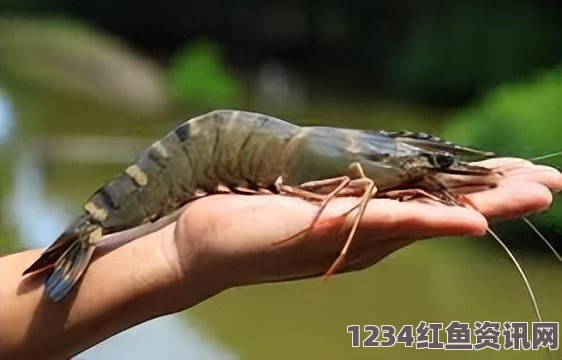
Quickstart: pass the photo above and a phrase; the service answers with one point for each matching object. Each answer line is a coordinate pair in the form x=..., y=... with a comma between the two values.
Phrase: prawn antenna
x=528, y=287
x=521, y=272
x=542, y=237
x=547, y=156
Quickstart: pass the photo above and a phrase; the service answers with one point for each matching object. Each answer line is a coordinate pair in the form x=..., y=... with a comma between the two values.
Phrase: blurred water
x=29, y=202
x=169, y=337
x=6, y=117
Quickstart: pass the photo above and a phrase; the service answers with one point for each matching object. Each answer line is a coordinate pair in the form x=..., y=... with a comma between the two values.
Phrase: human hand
x=229, y=238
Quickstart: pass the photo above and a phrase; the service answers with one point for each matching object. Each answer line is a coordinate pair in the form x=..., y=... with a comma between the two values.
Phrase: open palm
x=233, y=234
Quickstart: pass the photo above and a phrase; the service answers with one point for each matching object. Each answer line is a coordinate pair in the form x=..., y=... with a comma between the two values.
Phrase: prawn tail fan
x=68, y=257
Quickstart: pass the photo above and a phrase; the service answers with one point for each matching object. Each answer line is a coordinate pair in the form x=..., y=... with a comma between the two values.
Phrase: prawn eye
x=444, y=160
x=440, y=160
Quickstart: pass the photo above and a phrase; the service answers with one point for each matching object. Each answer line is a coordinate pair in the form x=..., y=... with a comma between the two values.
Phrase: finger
x=545, y=175
x=387, y=218
x=420, y=220
x=521, y=169
x=504, y=163
x=512, y=200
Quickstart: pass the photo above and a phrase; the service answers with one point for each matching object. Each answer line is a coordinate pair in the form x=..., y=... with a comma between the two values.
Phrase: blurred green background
x=84, y=86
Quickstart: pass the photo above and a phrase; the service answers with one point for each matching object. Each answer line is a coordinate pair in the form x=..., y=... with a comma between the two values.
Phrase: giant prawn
x=250, y=153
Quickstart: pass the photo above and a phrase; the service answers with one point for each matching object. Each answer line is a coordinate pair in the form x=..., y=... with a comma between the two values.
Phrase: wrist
x=188, y=274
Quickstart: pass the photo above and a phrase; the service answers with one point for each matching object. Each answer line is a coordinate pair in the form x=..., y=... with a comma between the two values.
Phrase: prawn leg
x=370, y=191
x=300, y=193
x=355, y=172
x=343, y=182
x=407, y=194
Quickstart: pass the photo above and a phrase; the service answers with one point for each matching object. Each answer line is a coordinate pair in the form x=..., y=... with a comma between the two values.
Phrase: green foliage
x=465, y=47
x=198, y=77
x=520, y=119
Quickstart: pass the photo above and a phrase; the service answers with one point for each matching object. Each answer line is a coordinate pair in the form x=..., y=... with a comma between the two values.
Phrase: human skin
x=224, y=241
